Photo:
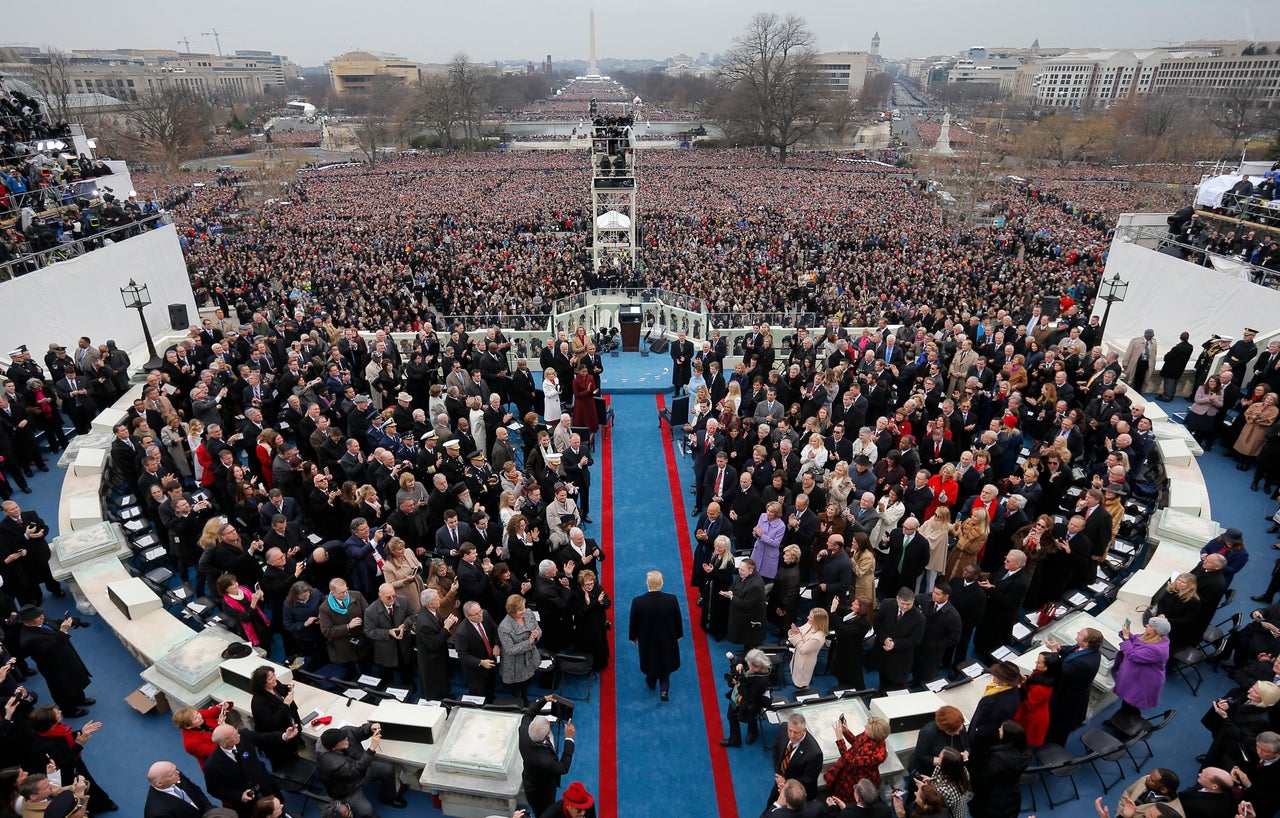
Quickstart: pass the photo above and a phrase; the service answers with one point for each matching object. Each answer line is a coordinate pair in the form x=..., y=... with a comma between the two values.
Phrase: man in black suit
x=1211, y=586
x=942, y=627
x=575, y=464
x=235, y=773
x=125, y=454
x=1004, y=603
x=802, y=527
x=970, y=601
x=26, y=533
x=656, y=628
x=1211, y=797
x=719, y=482
x=835, y=572
x=173, y=795
x=789, y=802
x=523, y=391
x=277, y=503
x=1260, y=777
x=681, y=363
x=899, y=630
x=57, y=660
x=937, y=451
x=704, y=446
x=866, y=803
x=796, y=755
x=906, y=559
x=433, y=632
x=77, y=401
x=709, y=526
x=476, y=641
x=542, y=767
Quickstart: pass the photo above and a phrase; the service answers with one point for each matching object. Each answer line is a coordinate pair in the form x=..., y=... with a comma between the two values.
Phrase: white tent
x=613, y=220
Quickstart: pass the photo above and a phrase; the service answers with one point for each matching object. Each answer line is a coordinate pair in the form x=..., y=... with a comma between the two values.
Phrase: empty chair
x=1061, y=764
x=574, y=664
x=1107, y=748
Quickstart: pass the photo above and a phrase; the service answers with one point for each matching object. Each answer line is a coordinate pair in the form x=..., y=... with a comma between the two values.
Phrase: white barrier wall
x=1171, y=296
x=82, y=296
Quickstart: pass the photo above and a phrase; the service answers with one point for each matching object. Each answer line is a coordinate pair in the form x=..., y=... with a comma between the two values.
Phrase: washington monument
x=593, y=70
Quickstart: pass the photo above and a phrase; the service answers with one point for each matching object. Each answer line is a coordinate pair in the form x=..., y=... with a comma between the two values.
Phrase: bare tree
x=469, y=88
x=165, y=124
x=376, y=111
x=432, y=106
x=875, y=92
x=1239, y=111
x=771, y=70
x=52, y=77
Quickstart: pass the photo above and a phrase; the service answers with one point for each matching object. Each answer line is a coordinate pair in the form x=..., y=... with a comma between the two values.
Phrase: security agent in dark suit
x=899, y=630
x=173, y=795
x=942, y=627
x=235, y=773
x=542, y=767
x=796, y=755
x=476, y=641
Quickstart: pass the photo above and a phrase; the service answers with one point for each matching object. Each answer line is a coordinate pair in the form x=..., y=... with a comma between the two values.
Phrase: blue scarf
x=333, y=605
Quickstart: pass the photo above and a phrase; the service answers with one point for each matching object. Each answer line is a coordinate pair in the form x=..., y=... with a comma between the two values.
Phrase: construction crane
x=214, y=34
x=187, y=42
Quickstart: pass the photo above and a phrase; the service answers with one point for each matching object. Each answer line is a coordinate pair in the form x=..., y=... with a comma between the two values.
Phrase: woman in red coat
x=585, y=393
x=197, y=729
x=1037, y=689
x=860, y=758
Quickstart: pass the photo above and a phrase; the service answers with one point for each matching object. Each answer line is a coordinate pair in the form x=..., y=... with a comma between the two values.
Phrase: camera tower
x=613, y=195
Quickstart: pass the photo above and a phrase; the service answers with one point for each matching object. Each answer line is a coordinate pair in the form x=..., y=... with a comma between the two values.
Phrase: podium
x=630, y=317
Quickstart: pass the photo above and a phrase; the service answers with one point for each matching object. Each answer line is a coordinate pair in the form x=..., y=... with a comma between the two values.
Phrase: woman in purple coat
x=768, y=533
x=1139, y=667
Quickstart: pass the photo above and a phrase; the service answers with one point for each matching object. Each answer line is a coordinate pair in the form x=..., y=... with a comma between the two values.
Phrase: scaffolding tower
x=613, y=196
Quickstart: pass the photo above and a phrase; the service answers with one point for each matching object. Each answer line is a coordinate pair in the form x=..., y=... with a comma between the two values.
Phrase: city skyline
x=656, y=30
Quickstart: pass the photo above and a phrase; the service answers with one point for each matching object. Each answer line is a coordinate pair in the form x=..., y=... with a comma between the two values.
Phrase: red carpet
x=608, y=796
x=711, y=715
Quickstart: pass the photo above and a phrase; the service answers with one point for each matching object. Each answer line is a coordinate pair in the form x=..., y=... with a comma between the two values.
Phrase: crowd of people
x=884, y=470
x=729, y=227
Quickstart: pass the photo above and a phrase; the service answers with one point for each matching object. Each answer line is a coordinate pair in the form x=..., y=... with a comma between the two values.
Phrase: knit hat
x=1269, y=692
x=1160, y=625
x=332, y=737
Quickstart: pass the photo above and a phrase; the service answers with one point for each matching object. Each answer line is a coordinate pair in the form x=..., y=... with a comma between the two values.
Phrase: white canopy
x=613, y=220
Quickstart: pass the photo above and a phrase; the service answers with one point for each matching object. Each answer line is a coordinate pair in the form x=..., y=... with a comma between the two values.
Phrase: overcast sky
x=312, y=31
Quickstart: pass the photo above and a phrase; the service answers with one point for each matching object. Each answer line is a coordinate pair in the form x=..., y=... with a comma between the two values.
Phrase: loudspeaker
x=178, y=316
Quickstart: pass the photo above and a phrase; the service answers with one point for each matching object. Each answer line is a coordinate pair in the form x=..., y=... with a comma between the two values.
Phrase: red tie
x=707, y=444
x=719, y=482
x=488, y=648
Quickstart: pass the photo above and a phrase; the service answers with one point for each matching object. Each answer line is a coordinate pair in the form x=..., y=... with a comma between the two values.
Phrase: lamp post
x=136, y=297
x=1110, y=290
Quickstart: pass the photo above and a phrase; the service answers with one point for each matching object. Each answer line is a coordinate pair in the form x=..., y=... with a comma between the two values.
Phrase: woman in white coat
x=550, y=396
